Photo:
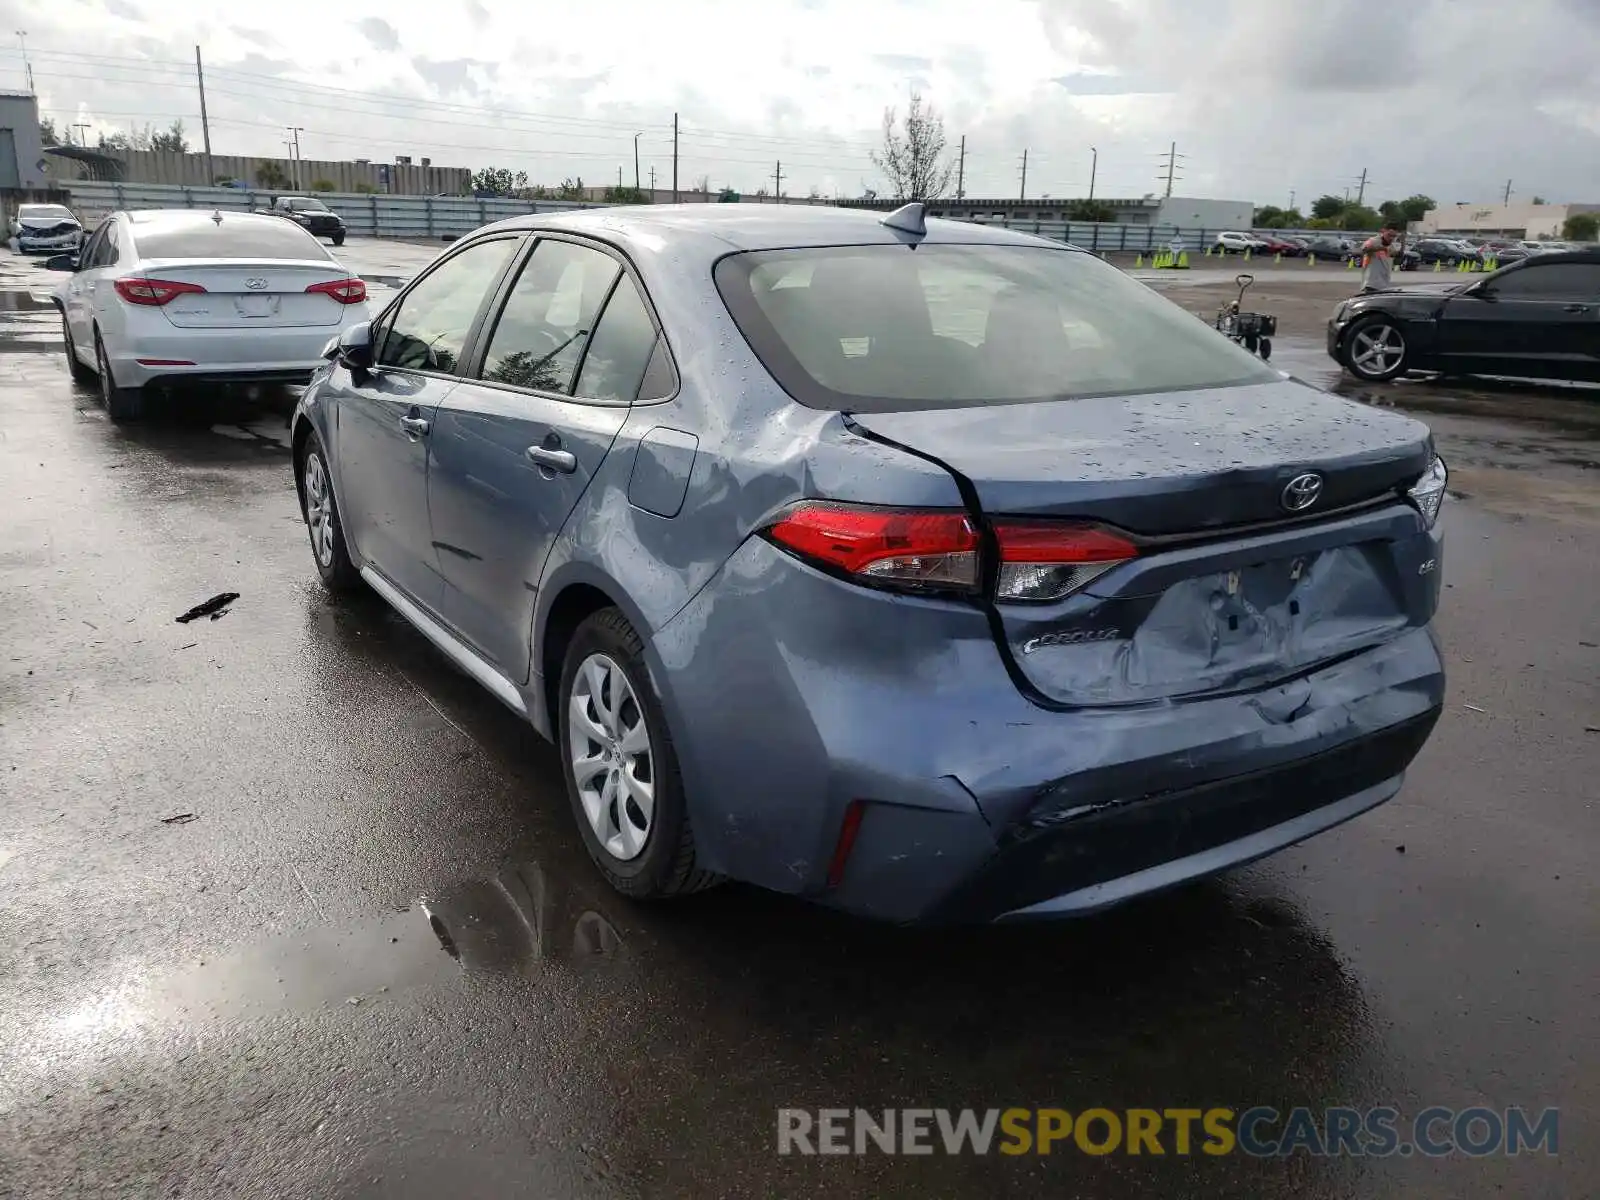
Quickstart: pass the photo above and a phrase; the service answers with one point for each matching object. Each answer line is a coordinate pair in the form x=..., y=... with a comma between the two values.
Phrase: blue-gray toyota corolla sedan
x=930, y=571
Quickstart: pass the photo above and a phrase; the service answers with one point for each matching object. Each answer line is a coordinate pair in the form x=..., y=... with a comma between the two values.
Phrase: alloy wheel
x=1377, y=349
x=319, y=509
x=608, y=745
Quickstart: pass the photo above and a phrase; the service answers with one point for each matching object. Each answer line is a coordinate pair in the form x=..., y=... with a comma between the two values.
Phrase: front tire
x=338, y=239
x=323, y=526
x=122, y=403
x=620, y=765
x=81, y=374
x=1375, y=349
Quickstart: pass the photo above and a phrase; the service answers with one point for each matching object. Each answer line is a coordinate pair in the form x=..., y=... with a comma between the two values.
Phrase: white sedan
x=174, y=296
x=39, y=228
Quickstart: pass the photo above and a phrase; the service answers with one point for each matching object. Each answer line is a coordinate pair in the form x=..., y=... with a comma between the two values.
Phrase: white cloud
x=1261, y=97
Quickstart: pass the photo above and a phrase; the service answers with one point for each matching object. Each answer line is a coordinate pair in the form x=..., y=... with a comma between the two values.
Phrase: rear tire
x=122, y=404
x=81, y=375
x=323, y=525
x=610, y=726
x=1375, y=349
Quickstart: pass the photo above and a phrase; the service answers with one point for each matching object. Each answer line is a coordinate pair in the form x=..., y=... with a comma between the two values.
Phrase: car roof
x=1573, y=256
x=715, y=229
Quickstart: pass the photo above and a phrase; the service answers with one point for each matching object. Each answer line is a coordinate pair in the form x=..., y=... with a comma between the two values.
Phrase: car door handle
x=556, y=460
x=415, y=427
x=1576, y=308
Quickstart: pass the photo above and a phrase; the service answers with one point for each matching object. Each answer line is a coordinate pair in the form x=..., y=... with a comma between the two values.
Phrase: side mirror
x=353, y=347
x=61, y=262
x=1482, y=291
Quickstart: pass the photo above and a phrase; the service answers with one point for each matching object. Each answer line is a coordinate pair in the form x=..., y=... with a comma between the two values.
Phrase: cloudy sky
x=1263, y=97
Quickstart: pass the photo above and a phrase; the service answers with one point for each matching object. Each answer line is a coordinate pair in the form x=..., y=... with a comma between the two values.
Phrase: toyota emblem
x=1301, y=492
x=255, y=285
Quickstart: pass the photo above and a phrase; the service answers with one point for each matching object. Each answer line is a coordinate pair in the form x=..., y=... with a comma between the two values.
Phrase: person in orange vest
x=1377, y=257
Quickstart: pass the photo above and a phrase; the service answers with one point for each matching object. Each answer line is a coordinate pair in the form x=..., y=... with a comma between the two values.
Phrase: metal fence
x=366, y=215
x=435, y=217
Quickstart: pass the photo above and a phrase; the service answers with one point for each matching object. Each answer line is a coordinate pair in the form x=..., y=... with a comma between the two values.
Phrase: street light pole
x=1094, y=167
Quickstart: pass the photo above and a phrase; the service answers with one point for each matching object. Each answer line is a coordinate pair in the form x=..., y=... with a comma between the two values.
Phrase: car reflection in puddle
x=513, y=922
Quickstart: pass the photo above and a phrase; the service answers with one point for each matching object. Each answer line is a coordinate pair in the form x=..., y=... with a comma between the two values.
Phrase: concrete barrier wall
x=174, y=168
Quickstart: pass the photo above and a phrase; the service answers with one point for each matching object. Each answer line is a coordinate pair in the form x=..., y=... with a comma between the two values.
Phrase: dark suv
x=312, y=215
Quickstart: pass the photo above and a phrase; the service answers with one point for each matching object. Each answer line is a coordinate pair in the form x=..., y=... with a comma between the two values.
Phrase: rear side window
x=890, y=328
x=262, y=237
x=548, y=317
x=620, y=349
x=430, y=326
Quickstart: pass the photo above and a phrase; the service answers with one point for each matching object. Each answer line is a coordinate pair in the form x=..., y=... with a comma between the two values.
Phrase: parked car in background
x=944, y=535
x=183, y=296
x=1238, y=243
x=44, y=229
x=1273, y=243
x=1329, y=248
x=312, y=215
x=1538, y=318
x=1505, y=255
x=1441, y=250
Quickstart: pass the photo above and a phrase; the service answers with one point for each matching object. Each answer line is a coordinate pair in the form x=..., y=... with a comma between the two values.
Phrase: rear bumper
x=792, y=695
x=166, y=353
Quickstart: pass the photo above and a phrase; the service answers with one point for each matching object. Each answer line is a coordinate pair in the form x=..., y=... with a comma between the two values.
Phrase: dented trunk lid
x=1231, y=590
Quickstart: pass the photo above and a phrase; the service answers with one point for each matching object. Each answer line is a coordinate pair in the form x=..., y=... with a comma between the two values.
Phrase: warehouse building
x=1529, y=221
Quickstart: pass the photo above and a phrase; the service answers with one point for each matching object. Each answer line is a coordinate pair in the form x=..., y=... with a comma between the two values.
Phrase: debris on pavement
x=1474, y=708
x=213, y=607
x=1401, y=848
x=180, y=819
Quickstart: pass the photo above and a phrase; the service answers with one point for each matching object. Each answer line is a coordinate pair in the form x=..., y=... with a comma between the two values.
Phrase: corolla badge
x=1301, y=492
x=256, y=284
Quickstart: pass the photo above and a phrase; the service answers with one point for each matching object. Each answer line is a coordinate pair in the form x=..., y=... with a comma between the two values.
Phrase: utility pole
x=777, y=183
x=294, y=132
x=1172, y=156
x=1094, y=169
x=675, y=158
x=1022, y=192
x=619, y=175
x=652, y=182
x=1291, y=197
x=961, y=170
x=22, y=37
x=83, y=134
x=1508, y=192
x=205, y=121
x=1361, y=191
x=636, y=138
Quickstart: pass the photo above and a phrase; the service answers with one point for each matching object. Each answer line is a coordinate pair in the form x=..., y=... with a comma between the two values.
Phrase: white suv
x=1238, y=243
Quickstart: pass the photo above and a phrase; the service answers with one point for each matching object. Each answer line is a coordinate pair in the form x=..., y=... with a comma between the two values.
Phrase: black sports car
x=1538, y=319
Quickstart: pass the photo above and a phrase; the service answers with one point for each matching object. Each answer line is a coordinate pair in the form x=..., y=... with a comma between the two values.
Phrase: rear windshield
x=888, y=328
x=261, y=237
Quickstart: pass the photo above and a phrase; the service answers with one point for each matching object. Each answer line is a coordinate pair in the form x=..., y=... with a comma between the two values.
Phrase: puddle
x=517, y=923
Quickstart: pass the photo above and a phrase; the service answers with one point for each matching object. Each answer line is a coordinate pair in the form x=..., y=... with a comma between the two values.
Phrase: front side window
x=429, y=327
x=1557, y=281
x=890, y=328
x=548, y=317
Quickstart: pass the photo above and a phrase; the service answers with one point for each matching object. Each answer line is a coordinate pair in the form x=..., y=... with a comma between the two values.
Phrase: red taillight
x=345, y=291
x=848, y=829
x=138, y=290
x=1044, y=560
x=929, y=548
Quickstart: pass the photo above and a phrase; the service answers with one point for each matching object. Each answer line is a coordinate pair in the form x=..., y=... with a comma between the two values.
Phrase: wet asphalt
x=289, y=907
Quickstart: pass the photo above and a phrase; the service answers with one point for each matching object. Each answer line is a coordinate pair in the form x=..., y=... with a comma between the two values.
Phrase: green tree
x=323, y=185
x=913, y=157
x=1416, y=207
x=271, y=176
x=1091, y=210
x=627, y=195
x=1540, y=200
x=1270, y=216
x=367, y=189
x=1581, y=227
x=497, y=181
x=572, y=189
x=1329, y=207
x=170, y=138
x=1359, y=216
x=47, y=132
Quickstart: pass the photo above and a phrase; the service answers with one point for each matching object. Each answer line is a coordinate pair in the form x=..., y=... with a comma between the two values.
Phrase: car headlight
x=1338, y=313
x=1428, y=492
